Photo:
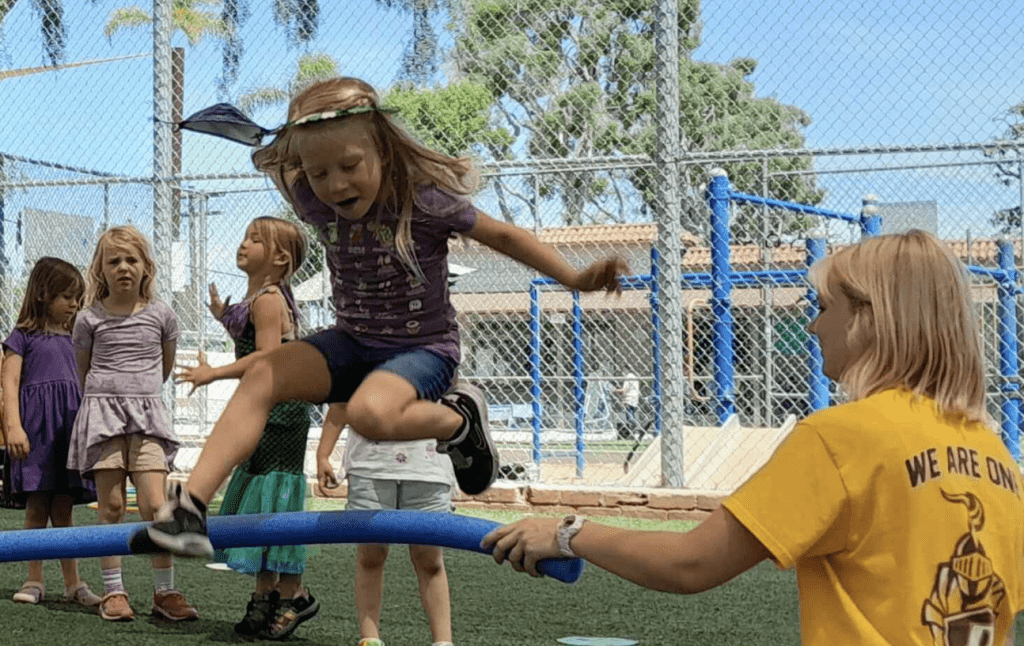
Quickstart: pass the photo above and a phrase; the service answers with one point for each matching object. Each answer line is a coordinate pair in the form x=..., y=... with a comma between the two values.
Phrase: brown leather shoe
x=171, y=604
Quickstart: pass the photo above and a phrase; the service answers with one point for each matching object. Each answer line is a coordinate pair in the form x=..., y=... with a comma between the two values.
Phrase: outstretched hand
x=524, y=543
x=603, y=274
x=217, y=306
x=197, y=375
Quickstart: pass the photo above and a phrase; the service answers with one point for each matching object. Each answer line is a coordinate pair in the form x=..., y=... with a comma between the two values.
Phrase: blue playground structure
x=721, y=280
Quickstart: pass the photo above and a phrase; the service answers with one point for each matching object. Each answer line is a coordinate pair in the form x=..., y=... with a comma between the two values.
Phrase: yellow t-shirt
x=904, y=528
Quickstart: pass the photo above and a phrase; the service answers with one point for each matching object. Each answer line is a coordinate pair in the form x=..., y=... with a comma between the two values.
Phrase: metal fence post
x=1008, y=358
x=721, y=297
x=162, y=160
x=670, y=233
x=817, y=383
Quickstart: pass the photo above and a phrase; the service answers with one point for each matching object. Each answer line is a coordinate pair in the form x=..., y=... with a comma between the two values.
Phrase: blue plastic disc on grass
x=597, y=641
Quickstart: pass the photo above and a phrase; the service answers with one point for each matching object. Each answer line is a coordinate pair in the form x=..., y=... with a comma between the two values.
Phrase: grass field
x=491, y=605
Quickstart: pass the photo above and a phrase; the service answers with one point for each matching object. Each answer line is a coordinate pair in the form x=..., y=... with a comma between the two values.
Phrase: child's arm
x=170, y=348
x=18, y=445
x=334, y=422
x=83, y=359
x=268, y=316
x=523, y=246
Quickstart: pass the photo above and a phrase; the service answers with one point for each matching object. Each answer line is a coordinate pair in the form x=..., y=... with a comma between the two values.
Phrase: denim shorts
x=376, y=493
x=350, y=361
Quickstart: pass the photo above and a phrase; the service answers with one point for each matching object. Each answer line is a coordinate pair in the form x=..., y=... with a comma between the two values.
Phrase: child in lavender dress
x=125, y=343
x=271, y=480
x=42, y=397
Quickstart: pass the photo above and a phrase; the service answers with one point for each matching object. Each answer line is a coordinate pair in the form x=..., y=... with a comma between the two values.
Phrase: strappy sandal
x=31, y=592
x=83, y=596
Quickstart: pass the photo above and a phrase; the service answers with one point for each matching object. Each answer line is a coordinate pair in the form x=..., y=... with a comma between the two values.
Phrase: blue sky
x=903, y=72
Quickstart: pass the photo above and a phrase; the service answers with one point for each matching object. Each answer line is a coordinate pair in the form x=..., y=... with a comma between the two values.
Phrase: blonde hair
x=406, y=164
x=50, y=278
x=123, y=237
x=280, y=235
x=914, y=315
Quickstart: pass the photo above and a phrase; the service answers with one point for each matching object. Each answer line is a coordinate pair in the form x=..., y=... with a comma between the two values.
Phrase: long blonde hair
x=124, y=237
x=914, y=314
x=406, y=165
x=279, y=235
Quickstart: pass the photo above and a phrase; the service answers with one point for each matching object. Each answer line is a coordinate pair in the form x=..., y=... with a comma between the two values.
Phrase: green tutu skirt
x=267, y=493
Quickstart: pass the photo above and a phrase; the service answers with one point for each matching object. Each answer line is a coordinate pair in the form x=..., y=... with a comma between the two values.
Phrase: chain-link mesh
x=597, y=127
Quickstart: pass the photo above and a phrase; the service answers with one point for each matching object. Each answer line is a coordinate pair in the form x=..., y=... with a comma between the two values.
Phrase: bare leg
x=37, y=514
x=110, y=491
x=385, y=408
x=293, y=371
x=60, y=516
x=150, y=488
x=266, y=581
x=433, y=583
x=289, y=585
x=370, y=560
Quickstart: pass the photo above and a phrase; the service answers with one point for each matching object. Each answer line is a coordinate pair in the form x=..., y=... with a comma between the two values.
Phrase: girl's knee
x=371, y=555
x=111, y=512
x=372, y=421
x=427, y=559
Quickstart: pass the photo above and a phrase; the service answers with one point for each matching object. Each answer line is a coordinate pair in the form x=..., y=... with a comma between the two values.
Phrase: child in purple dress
x=125, y=343
x=41, y=399
x=271, y=480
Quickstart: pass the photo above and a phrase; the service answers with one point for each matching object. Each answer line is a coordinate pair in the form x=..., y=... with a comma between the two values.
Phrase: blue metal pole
x=721, y=290
x=817, y=383
x=577, y=371
x=1008, y=362
x=656, y=340
x=535, y=392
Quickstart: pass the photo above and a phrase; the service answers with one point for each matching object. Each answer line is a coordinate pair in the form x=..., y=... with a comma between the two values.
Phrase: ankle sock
x=112, y=581
x=462, y=427
x=163, y=579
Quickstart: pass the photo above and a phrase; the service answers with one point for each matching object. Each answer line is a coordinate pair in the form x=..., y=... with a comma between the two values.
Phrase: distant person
x=900, y=510
x=392, y=475
x=272, y=479
x=629, y=391
x=41, y=399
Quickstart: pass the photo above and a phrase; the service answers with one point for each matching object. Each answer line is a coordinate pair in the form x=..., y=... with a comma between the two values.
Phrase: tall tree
x=1010, y=168
x=576, y=79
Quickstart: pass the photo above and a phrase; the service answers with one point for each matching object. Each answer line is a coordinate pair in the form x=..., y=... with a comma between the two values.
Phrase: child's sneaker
x=179, y=528
x=30, y=592
x=172, y=604
x=258, y=613
x=114, y=606
x=289, y=613
x=472, y=450
x=370, y=641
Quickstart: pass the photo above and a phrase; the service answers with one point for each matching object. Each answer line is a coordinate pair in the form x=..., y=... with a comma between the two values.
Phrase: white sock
x=112, y=581
x=163, y=578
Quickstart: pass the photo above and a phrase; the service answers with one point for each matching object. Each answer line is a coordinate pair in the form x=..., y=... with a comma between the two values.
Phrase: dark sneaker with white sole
x=179, y=528
x=472, y=450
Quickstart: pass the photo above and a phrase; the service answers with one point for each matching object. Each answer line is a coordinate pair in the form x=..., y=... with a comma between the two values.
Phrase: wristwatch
x=567, y=529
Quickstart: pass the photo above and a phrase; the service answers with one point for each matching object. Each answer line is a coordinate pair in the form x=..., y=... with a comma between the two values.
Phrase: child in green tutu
x=272, y=479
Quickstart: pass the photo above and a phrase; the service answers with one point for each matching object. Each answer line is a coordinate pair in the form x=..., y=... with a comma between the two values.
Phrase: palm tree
x=309, y=69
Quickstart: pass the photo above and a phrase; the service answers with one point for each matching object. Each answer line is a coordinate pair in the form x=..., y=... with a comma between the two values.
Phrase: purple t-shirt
x=377, y=299
x=45, y=357
x=127, y=351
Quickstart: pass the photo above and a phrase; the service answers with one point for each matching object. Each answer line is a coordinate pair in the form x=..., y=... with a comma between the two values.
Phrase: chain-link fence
x=597, y=127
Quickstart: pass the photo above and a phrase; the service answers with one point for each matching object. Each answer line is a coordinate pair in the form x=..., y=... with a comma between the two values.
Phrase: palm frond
x=261, y=98
x=126, y=18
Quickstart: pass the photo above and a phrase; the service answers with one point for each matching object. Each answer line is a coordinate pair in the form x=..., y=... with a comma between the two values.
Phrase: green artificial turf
x=491, y=605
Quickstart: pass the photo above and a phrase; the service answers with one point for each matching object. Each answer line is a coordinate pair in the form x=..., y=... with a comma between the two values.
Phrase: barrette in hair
x=226, y=121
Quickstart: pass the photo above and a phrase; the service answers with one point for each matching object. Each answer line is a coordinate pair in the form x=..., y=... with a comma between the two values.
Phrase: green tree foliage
x=573, y=78
x=1009, y=168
